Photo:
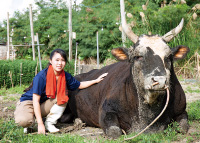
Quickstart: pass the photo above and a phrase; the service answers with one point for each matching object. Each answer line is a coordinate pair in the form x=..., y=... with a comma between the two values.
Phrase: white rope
x=166, y=104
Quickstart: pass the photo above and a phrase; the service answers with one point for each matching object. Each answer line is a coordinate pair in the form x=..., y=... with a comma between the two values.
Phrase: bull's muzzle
x=156, y=83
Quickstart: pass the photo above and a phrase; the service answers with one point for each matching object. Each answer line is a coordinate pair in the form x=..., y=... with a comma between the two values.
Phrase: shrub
x=29, y=69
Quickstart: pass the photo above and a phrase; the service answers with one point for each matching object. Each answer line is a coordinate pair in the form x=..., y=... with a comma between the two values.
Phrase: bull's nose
x=160, y=79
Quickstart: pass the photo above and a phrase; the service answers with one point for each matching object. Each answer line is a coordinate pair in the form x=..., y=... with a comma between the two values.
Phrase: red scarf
x=62, y=93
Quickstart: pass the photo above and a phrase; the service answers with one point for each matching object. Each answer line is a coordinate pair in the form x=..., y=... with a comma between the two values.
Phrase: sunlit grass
x=15, y=90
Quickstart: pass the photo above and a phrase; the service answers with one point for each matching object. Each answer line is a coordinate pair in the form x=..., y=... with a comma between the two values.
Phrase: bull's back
x=85, y=103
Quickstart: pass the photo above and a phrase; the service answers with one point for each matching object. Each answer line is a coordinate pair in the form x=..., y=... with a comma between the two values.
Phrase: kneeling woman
x=48, y=95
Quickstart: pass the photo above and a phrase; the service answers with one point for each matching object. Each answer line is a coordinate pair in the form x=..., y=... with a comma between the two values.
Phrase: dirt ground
x=191, y=88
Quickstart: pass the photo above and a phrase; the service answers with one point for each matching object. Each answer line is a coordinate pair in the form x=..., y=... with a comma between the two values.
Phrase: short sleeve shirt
x=39, y=86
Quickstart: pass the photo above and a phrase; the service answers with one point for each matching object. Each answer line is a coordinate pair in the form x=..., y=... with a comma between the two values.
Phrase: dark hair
x=63, y=55
x=61, y=52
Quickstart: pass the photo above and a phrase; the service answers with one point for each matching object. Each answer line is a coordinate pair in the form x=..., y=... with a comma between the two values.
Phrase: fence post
x=39, y=51
x=97, y=50
x=198, y=69
x=75, y=58
x=21, y=74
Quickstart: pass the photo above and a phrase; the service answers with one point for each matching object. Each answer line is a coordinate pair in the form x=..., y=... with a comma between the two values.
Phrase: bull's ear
x=120, y=54
x=180, y=52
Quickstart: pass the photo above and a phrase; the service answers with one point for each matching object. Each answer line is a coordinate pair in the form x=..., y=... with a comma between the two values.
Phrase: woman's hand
x=37, y=111
x=85, y=84
x=41, y=129
x=101, y=77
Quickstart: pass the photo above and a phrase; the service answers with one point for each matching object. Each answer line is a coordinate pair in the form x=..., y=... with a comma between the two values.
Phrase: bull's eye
x=138, y=58
x=167, y=62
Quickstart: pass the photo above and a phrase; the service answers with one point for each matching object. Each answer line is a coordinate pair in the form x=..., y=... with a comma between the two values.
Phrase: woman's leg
x=55, y=113
x=24, y=113
x=46, y=106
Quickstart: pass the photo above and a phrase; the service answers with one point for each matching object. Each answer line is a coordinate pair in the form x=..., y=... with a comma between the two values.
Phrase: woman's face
x=58, y=63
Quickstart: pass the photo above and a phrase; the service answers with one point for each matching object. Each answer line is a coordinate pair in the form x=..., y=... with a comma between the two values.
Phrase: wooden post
x=70, y=30
x=122, y=7
x=198, y=69
x=79, y=66
x=97, y=50
x=8, y=38
x=76, y=58
x=10, y=73
x=39, y=51
x=21, y=74
x=36, y=68
x=32, y=31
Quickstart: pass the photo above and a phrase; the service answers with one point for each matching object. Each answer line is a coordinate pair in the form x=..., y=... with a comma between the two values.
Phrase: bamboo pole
x=198, y=70
x=21, y=74
x=70, y=30
x=76, y=58
x=8, y=38
x=32, y=31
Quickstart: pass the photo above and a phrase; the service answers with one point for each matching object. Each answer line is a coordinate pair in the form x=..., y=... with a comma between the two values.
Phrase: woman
x=48, y=95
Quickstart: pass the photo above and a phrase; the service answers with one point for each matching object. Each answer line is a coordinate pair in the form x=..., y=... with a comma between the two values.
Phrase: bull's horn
x=171, y=34
x=125, y=27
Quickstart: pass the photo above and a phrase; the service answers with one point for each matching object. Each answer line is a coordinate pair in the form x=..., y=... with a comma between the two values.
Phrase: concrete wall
x=3, y=52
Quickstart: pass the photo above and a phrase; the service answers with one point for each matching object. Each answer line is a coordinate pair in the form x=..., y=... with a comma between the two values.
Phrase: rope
x=166, y=104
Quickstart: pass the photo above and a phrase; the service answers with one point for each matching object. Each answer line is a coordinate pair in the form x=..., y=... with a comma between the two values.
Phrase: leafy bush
x=29, y=70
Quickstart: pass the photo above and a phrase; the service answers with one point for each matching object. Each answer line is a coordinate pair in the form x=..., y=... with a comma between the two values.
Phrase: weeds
x=15, y=90
x=193, y=110
x=190, y=90
x=12, y=107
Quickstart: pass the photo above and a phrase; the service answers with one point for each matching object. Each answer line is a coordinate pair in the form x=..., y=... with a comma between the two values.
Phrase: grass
x=193, y=111
x=190, y=90
x=15, y=90
x=9, y=132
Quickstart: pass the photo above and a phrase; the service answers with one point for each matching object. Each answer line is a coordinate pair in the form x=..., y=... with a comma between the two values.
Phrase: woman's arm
x=85, y=84
x=37, y=110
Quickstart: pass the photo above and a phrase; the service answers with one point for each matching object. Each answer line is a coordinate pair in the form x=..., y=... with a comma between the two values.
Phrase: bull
x=127, y=99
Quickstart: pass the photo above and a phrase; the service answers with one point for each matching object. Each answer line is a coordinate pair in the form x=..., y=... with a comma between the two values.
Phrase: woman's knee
x=24, y=114
x=24, y=122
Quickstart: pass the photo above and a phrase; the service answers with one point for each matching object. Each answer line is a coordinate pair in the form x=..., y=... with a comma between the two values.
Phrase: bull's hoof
x=183, y=124
x=113, y=132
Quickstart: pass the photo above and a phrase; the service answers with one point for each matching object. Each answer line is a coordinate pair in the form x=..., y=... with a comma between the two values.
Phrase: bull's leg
x=110, y=124
x=183, y=122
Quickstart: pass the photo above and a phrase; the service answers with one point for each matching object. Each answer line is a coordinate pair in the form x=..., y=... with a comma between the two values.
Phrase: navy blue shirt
x=39, y=86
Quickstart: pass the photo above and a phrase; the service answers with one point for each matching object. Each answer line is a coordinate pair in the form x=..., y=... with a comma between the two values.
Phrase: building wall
x=3, y=52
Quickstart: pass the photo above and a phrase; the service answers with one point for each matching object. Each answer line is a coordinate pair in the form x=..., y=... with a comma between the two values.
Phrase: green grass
x=193, y=110
x=12, y=107
x=190, y=90
x=15, y=90
x=9, y=132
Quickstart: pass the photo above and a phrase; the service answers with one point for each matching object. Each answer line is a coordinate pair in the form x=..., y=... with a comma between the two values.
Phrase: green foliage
x=172, y=130
x=193, y=110
x=29, y=70
x=9, y=131
x=91, y=16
